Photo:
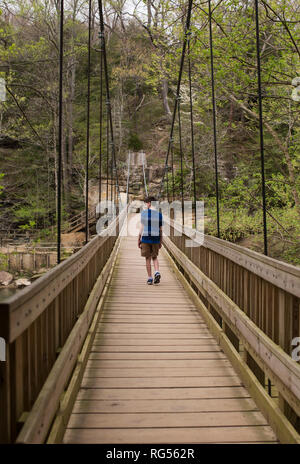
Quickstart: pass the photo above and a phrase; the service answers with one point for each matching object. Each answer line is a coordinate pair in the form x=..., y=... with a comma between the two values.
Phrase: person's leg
x=148, y=266
x=155, y=264
x=146, y=253
x=155, y=251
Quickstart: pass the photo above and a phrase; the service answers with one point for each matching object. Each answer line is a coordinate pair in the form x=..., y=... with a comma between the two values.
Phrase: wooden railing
x=37, y=327
x=255, y=301
x=13, y=237
x=78, y=221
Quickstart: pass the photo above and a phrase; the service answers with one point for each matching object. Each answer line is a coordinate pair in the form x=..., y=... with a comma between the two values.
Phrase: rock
x=5, y=278
x=38, y=274
x=73, y=239
x=42, y=270
x=22, y=282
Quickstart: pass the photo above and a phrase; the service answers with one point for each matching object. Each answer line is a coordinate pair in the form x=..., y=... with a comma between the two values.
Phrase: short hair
x=149, y=199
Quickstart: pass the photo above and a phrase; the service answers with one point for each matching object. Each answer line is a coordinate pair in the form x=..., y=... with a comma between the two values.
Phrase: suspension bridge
x=93, y=355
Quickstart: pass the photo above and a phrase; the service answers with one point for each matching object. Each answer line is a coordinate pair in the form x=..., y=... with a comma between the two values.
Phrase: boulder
x=39, y=274
x=73, y=239
x=5, y=278
x=22, y=282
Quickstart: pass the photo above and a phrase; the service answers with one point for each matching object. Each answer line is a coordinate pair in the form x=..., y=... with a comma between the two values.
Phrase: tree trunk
x=164, y=93
x=149, y=14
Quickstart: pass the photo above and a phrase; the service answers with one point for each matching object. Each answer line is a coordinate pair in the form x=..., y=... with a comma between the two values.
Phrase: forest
x=144, y=44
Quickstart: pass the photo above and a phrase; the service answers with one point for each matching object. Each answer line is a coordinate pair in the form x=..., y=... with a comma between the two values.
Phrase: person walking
x=150, y=239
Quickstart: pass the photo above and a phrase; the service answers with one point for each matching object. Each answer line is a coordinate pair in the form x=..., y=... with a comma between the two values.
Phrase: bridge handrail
x=22, y=305
x=283, y=275
x=80, y=218
x=36, y=322
x=266, y=357
x=242, y=273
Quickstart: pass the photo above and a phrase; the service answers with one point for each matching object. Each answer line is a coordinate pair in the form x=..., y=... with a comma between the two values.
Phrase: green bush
x=134, y=142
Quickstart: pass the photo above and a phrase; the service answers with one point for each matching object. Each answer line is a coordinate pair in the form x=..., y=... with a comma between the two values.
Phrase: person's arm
x=160, y=231
x=140, y=235
x=160, y=237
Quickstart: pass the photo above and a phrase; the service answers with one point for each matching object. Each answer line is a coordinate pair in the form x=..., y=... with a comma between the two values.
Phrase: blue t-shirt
x=152, y=220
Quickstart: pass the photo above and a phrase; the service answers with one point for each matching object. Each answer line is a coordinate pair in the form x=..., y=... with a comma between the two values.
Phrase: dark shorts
x=149, y=250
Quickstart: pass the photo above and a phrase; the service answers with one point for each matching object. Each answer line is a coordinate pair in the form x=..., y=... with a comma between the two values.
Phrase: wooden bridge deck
x=155, y=373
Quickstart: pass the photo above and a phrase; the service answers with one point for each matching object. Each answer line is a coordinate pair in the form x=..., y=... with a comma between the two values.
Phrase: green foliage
x=234, y=224
x=1, y=186
x=141, y=64
x=3, y=262
x=28, y=226
x=238, y=226
x=134, y=142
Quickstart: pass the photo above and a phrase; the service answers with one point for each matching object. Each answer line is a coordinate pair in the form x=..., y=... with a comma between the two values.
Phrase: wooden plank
x=171, y=420
x=166, y=310
x=158, y=382
x=204, y=340
x=170, y=363
x=209, y=393
x=167, y=325
x=155, y=349
x=152, y=328
x=257, y=434
x=164, y=405
x=152, y=319
x=153, y=336
x=169, y=356
x=218, y=371
x=142, y=309
x=141, y=300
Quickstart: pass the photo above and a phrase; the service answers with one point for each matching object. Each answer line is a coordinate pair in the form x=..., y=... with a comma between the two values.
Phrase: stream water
x=7, y=292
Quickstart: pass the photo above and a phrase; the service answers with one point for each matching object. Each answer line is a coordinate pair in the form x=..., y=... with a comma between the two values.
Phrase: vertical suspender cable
x=187, y=26
x=88, y=129
x=101, y=116
x=167, y=184
x=60, y=130
x=261, y=133
x=261, y=130
x=111, y=173
x=172, y=168
x=144, y=173
x=108, y=98
x=107, y=150
x=128, y=174
x=181, y=161
x=214, y=116
x=192, y=130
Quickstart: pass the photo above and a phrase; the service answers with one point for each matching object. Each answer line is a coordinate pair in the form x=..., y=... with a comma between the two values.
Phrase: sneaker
x=157, y=277
x=150, y=281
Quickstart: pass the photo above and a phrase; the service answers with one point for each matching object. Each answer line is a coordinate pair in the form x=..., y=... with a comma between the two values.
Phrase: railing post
x=171, y=226
x=5, y=399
